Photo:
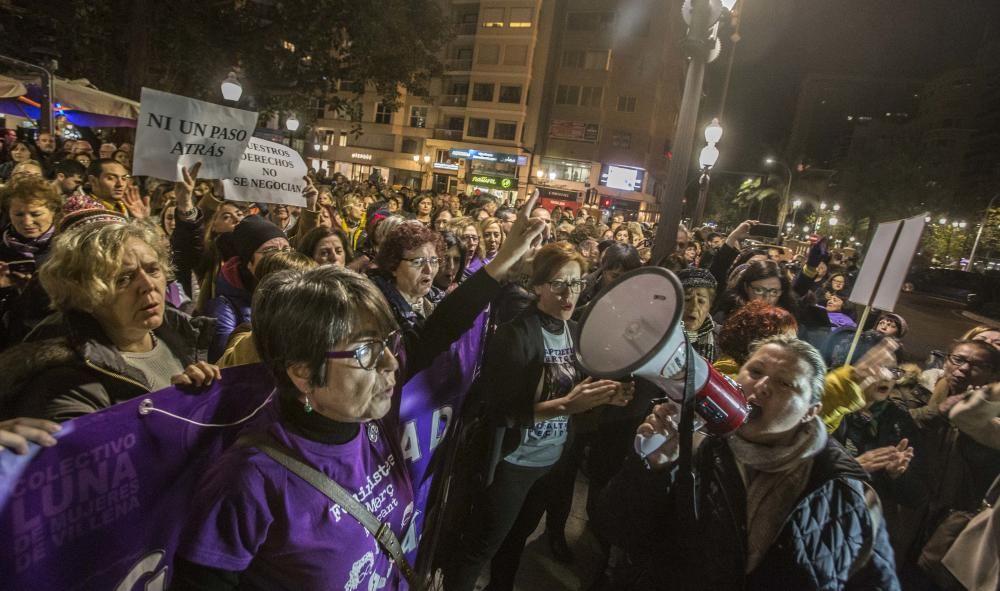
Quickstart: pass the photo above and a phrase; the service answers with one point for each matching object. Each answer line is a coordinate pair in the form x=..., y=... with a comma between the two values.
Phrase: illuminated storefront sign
x=445, y=166
x=500, y=182
x=362, y=156
x=470, y=154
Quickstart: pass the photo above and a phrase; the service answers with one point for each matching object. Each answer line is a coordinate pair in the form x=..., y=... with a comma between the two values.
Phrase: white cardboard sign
x=268, y=172
x=887, y=264
x=176, y=131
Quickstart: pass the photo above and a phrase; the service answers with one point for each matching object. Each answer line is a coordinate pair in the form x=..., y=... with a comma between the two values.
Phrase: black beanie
x=251, y=233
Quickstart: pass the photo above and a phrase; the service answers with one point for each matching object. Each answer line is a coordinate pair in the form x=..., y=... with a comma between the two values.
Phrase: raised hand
x=738, y=234
x=184, y=189
x=137, y=205
x=311, y=193
x=525, y=234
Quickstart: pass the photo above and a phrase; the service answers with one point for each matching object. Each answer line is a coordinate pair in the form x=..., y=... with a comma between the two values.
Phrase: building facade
x=578, y=98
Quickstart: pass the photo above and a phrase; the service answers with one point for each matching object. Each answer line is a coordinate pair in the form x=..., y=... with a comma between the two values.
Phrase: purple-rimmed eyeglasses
x=371, y=352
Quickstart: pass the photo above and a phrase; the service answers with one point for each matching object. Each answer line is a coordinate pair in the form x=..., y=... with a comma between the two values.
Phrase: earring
x=308, y=407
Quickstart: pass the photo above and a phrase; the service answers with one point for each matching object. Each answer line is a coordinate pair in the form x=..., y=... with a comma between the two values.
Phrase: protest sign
x=176, y=131
x=268, y=172
x=105, y=508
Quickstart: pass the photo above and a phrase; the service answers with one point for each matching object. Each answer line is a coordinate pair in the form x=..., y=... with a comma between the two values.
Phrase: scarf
x=703, y=340
x=27, y=247
x=776, y=478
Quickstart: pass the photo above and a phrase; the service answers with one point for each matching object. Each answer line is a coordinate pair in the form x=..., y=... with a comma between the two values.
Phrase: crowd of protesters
x=113, y=286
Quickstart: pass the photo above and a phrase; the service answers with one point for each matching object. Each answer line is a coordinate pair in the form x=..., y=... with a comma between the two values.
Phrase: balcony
x=448, y=134
x=465, y=29
x=458, y=65
x=454, y=100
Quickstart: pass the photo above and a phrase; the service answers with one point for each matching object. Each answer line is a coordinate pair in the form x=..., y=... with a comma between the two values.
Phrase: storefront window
x=566, y=170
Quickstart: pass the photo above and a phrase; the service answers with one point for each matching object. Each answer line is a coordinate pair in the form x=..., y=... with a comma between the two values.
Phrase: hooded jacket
x=821, y=542
x=230, y=307
x=81, y=372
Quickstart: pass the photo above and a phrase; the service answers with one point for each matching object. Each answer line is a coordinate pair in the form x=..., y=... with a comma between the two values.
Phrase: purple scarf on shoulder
x=27, y=247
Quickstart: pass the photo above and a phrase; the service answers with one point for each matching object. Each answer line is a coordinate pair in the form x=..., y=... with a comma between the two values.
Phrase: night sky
x=782, y=40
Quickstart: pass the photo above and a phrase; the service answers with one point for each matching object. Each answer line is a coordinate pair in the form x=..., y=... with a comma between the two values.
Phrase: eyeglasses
x=470, y=238
x=959, y=361
x=764, y=291
x=371, y=352
x=573, y=286
x=419, y=262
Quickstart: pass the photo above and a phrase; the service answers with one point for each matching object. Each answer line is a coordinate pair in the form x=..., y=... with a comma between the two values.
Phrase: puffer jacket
x=230, y=307
x=69, y=368
x=822, y=541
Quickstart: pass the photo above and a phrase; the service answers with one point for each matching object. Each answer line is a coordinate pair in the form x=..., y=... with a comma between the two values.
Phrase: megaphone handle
x=687, y=502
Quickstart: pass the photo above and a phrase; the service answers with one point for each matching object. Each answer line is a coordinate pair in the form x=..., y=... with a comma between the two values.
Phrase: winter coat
x=21, y=308
x=80, y=372
x=823, y=538
x=230, y=307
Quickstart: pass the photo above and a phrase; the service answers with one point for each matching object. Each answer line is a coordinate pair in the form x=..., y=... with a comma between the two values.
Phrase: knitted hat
x=251, y=233
x=901, y=325
x=693, y=278
x=79, y=210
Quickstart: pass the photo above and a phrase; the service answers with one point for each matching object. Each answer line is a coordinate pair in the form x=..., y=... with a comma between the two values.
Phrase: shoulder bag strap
x=336, y=493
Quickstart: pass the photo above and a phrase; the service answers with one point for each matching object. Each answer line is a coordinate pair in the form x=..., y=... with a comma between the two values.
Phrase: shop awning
x=75, y=99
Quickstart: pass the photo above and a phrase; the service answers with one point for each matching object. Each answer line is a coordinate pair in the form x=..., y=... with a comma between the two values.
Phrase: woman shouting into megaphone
x=777, y=503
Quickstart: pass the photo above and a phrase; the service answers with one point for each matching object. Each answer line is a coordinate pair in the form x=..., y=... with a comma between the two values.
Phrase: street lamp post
x=232, y=90
x=979, y=233
x=783, y=208
x=795, y=209
x=707, y=159
x=699, y=15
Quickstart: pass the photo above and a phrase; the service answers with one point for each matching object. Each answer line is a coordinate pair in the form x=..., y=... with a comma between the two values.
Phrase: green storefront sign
x=500, y=182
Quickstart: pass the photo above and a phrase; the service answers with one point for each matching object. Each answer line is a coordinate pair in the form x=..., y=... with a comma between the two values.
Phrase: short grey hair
x=807, y=354
x=300, y=315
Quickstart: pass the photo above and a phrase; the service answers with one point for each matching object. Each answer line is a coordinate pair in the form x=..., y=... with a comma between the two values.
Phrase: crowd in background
x=112, y=286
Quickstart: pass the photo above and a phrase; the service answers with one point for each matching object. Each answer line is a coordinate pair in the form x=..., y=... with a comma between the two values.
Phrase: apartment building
x=577, y=97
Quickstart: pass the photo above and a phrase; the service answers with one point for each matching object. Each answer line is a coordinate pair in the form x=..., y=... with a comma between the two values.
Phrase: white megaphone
x=634, y=328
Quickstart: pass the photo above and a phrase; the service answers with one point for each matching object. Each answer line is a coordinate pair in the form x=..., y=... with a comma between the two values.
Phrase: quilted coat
x=827, y=542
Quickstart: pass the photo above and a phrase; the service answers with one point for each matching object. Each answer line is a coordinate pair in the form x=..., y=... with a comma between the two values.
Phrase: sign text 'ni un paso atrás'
x=176, y=131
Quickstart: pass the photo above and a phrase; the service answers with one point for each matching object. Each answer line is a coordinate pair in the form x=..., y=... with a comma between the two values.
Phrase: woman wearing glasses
x=407, y=262
x=531, y=387
x=335, y=351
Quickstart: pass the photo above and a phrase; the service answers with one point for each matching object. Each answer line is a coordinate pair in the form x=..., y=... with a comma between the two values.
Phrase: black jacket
x=821, y=540
x=69, y=367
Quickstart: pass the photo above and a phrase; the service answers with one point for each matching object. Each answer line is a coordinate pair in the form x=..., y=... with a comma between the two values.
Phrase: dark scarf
x=408, y=319
x=27, y=247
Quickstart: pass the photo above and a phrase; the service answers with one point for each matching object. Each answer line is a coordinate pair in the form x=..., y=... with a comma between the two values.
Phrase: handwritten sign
x=268, y=172
x=175, y=131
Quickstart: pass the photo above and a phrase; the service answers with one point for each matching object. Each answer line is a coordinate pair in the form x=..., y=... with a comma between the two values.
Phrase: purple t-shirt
x=253, y=515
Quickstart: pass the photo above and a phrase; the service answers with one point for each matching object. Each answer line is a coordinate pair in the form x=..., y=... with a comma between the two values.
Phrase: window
x=515, y=55
x=482, y=91
x=382, y=115
x=288, y=46
x=463, y=54
x=621, y=139
x=418, y=116
x=567, y=95
x=458, y=88
x=510, y=94
x=489, y=54
x=520, y=18
x=493, y=18
x=626, y=104
x=504, y=130
x=572, y=59
x=596, y=60
x=409, y=146
x=591, y=96
x=587, y=60
x=455, y=123
x=589, y=21
x=478, y=127
x=343, y=139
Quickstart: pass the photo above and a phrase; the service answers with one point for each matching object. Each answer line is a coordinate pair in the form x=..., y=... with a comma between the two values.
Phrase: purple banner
x=105, y=507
